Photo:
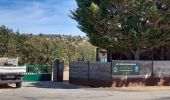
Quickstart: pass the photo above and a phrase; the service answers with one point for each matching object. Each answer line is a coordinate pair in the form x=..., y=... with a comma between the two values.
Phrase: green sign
x=125, y=68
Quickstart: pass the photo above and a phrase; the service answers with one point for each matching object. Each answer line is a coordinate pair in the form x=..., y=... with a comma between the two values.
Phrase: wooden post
x=88, y=77
x=152, y=64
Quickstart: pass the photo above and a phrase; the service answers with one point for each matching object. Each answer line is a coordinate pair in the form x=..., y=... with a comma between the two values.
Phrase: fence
x=119, y=73
x=161, y=68
x=37, y=73
x=90, y=73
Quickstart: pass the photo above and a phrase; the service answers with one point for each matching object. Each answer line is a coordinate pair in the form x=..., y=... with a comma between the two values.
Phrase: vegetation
x=133, y=28
x=44, y=49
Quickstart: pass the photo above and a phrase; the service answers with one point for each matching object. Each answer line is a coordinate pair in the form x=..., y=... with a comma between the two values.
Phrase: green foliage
x=7, y=42
x=128, y=25
x=44, y=49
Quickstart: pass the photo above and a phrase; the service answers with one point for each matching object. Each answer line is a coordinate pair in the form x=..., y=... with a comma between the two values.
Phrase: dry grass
x=137, y=88
x=148, y=88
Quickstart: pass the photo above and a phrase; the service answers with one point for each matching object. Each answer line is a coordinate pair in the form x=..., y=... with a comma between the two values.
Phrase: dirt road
x=65, y=91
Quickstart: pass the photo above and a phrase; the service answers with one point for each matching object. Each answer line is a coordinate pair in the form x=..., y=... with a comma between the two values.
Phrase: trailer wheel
x=18, y=85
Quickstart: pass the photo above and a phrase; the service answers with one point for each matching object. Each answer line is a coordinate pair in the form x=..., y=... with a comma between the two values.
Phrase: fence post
x=88, y=73
x=152, y=65
x=111, y=71
x=60, y=69
x=54, y=71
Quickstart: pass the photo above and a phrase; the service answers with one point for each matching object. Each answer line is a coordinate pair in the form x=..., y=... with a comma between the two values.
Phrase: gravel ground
x=66, y=91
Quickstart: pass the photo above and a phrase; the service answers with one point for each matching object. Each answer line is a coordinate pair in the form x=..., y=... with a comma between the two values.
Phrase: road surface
x=65, y=91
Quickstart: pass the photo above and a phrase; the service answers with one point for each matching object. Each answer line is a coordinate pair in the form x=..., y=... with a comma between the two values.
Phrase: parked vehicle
x=10, y=72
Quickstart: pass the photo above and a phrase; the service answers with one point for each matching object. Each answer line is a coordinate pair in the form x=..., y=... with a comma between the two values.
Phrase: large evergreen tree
x=130, y=26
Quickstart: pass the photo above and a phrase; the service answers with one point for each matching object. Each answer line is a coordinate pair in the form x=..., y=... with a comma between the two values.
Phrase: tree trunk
x=137, y=54
x=162, y=53
x=129, y=56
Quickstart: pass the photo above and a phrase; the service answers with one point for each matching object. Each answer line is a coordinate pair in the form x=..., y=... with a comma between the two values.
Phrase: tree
x=130, y=26
x=43, y=49
x=7, y=42
x=86, y=52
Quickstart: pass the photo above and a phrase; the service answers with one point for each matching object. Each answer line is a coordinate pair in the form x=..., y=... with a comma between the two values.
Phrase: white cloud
x=40, y=17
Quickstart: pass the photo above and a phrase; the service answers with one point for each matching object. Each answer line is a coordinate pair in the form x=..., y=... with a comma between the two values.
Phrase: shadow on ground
x=6, y=86
x=53, y=85
x=66, y=85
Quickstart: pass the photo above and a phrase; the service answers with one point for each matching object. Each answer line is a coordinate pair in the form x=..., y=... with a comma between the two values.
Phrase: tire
x=18, y=85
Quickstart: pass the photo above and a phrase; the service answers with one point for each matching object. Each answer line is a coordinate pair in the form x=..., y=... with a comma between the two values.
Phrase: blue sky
x=39, y=16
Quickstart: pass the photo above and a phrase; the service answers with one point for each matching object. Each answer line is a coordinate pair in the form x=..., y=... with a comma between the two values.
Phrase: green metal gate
x=37, y=73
